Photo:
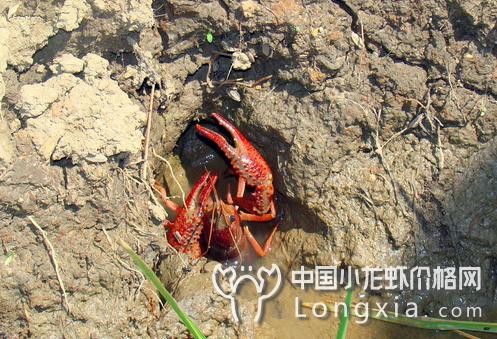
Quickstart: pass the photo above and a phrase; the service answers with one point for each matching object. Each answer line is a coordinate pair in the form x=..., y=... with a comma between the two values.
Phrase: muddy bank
x=379, y=122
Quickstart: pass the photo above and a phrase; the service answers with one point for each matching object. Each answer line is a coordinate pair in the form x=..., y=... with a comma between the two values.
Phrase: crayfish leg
x=261, y=251
x=164, y=198
x=259, y=218
x=241, y=187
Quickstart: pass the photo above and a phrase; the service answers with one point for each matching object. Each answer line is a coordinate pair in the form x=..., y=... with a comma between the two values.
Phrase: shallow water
x=280, y=316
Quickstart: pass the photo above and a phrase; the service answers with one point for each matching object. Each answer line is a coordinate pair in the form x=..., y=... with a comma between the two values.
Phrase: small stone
x=157, y=212
x=95, y=66
x=266, y=50
x=131, y=72
x=251, y=55
x=67, y=63
x=227, y=47
x=41, y=69
x=209, y=266
x=357, y=40
x=233, y=94
x=315, y=75
x=135, y=76
x=71, y=14
x=241, y=61
x=330, y=64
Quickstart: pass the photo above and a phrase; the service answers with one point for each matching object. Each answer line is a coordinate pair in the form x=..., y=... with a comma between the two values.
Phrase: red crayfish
x=206, y=223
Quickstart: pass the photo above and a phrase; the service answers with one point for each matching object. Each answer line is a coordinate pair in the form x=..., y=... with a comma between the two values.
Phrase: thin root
x=172, y=174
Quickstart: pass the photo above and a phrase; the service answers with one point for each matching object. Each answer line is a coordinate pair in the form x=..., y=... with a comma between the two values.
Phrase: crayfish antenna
x=214, y=216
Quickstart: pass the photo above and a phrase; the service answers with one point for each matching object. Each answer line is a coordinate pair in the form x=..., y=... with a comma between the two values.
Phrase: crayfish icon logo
x=260, y=282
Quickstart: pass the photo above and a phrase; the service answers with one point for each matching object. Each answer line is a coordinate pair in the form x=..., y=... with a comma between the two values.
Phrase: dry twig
x=51, y=254
x=147, y=134
x=121, y=262
x=379, y=151
x=172, y=174
x=452, y=93
x=465, y=334
x=270, y=11
x=427, y=114
x=440, y=150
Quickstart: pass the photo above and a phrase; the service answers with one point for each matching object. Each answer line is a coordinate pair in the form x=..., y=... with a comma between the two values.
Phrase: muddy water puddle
x=289, y=314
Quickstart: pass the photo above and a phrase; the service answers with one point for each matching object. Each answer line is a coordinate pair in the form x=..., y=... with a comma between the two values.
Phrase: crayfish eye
x=232, y=218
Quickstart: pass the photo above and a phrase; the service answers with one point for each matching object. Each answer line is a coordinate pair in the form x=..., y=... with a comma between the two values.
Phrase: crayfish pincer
x=186, y=229
x=252, y=169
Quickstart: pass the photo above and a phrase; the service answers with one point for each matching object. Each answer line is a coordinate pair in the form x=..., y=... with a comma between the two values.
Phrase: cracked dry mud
x=346, y=77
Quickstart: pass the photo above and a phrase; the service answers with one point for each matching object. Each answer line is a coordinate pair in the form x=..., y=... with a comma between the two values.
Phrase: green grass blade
x=435, y=323
x=419, y=322
x=209, y=37
x=345, y=316
x=154, y=280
